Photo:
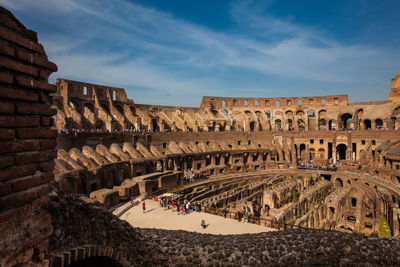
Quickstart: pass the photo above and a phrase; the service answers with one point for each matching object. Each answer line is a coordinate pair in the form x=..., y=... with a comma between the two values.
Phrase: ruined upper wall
x=88, y=91
x=276, y=102
x=27, y=144
x=394, y=94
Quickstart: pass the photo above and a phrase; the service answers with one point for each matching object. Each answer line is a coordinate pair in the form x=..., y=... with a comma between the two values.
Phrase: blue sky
x=172, y=52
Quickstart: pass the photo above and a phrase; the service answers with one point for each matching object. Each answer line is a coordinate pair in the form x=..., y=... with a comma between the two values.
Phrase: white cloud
x=118, y=42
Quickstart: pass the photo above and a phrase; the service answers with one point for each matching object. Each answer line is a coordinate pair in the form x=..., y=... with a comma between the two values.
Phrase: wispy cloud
x=126, y=44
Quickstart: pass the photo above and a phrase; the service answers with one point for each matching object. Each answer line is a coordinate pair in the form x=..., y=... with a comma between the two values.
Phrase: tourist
x=183, y=210
x=169, y=203
x=187, y=207
x=177, y=207
x=161, y=202
x=144, y=207
x=203, y=224
x=224, y=212
x=173, y=204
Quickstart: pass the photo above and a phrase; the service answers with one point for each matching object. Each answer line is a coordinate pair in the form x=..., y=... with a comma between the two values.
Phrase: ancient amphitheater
x=324, y=172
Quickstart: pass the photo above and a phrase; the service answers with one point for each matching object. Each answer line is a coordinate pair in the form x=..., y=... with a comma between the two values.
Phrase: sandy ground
x=160, y=218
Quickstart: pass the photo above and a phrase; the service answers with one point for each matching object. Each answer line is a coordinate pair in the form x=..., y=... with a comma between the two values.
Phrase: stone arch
x=339, y=182
x=74, y=105
x=89, y=106
x=89, y=254
x=345, y=120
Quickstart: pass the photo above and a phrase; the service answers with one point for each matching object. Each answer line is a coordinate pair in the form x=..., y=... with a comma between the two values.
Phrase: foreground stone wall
x=26, y=144
x=81, y=231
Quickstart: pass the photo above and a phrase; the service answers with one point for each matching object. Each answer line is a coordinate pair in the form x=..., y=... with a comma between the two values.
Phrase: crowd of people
x=191, y=175
x=182, y=207
x=312, y=166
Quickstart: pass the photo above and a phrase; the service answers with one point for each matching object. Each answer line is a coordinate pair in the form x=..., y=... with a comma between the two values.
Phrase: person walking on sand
x=203, y=224
x=144, y=207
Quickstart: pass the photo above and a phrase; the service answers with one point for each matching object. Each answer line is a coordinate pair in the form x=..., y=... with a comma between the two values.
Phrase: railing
x=258, y=221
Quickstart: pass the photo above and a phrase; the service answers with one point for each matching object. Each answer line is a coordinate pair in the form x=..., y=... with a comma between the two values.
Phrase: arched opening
x=252, y=126
x=311, y=113
x=225, y=113
x=120, y=109
x=312, y=153
x=346, y=120
x=105, y=107
x=354, y=202
x=367, y=124
x=90, y=107
x=321, y=153
x=278, y=125
x=98, y=261
x=100, y=125
x=302, y=151
x=155, y=125
x=341, y=150
x=339, y=182
x=223, y=104
x=378, y=124
x=290, y=124
x=332, y=125
x=268, y=113
x=322, y=124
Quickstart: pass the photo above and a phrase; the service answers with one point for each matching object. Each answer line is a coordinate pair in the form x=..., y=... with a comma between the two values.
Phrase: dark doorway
x=341, y=151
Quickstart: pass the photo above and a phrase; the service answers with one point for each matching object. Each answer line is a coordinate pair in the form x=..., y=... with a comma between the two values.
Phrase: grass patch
x=384, y=229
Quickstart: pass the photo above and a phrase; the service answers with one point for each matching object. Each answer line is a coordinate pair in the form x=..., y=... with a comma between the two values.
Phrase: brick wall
x=27, y=144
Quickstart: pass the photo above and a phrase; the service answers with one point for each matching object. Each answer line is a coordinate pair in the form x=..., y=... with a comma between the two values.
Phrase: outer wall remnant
x=27, y=144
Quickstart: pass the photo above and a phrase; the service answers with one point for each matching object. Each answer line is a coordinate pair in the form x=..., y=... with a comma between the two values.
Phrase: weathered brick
x=35, y=109
x=28, y=157
x=19, y=146
x=6, y=49
x=35, y=84
x=39, y=202
x=48, y=144
x=7, y=22
x=31, y=181
x=36, y=133
x=46, y=121
x=44, y=74
x=6, y=107
x=17, y=171
x=5, y=189
x=46, y=166
x=14, y=65
x=41, y=61
x=18, y=94
x=6, y=134
x=20, y=40
x=18, y=199
x=7, y=161
x=44, y=189
x=7, y=121
x=6, y=77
